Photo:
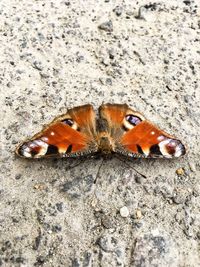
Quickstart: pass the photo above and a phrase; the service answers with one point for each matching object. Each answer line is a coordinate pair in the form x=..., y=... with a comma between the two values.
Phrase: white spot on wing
x=26, y=152
x=161, y=138
x=45, y=139
x=127, y=125
x=163, y=149
x=74, y=126
x=178, y=152
x=32, y=145
x=43, y=148
x=173, y=143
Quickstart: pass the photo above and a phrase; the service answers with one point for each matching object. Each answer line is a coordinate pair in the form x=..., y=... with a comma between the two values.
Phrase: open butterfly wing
x=68, y=135
x=146, y=140
x=141, y=140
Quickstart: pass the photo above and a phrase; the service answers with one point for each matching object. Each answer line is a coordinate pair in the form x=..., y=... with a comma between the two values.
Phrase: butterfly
x=117, y=129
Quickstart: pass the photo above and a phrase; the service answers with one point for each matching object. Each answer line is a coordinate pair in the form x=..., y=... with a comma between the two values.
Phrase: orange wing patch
x=62, y=136
x=56, y=139
x=144, y=135
x=148, y=140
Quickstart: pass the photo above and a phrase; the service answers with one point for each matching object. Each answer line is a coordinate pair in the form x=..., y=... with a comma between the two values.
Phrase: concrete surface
x=59, y=54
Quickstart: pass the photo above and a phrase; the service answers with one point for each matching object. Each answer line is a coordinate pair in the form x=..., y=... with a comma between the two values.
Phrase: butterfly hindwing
x=68, y=135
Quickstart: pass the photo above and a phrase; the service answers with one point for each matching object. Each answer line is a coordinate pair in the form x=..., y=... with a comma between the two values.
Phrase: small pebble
x=59, y=206
x=180, y=171
x=124, y=212
x=18, y=176
x=108, y=222
x=118, y=10
x=138, y=214
x=56, y=228
x=145, y=13
x=192, y=167
x=141, y=13
x=39, y=186
x=106, y=26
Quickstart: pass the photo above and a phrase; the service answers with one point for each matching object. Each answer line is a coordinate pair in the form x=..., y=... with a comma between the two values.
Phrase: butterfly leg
x=124, y=160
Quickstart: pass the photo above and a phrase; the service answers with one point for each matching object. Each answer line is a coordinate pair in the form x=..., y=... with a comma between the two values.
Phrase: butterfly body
x=118, y=129
x=105, y=143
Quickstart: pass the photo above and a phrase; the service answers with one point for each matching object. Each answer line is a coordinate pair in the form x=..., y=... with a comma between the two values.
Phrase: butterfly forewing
x=147, y=140
x=68, y=135
x=137, y=137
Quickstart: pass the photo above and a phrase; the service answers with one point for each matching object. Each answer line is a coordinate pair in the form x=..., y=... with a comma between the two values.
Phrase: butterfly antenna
x=97, y=175
x=128, y=165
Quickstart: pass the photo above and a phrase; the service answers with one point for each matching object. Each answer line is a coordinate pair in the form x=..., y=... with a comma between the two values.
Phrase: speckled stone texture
x=59, y=54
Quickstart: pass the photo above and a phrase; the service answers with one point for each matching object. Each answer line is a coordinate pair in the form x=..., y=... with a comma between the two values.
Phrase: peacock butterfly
x=118, y=129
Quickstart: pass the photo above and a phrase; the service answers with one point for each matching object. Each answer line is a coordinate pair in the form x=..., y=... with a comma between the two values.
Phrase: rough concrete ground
x=59, y=54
